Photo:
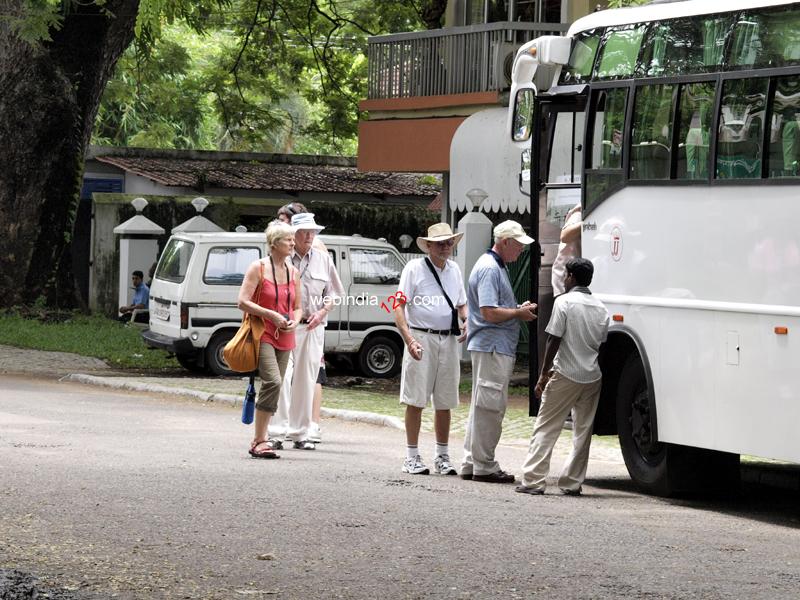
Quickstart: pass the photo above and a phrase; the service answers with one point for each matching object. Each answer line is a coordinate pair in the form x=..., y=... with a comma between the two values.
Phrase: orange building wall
x=409, y=145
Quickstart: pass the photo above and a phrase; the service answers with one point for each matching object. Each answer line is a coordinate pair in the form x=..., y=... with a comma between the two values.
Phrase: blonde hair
x=276, y=231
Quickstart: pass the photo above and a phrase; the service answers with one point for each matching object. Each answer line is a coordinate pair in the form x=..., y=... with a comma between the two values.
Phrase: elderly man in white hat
x=494, y=321
x=432, y=321
x=320, y=285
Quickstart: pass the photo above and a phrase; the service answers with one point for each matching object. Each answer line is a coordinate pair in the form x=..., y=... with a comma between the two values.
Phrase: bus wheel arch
x=656, y=467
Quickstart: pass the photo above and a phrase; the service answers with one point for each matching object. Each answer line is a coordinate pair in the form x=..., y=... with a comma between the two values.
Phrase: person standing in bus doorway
x=570, y=380
x=280, y=421
x=570, y=247
x=493, y=334
x=321, y=284
x=433, y=300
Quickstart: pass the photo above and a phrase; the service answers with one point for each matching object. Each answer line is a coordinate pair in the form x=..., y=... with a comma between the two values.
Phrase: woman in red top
x=271, y=291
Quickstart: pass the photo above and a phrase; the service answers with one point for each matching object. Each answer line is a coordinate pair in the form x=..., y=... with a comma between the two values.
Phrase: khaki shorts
x=434, y=378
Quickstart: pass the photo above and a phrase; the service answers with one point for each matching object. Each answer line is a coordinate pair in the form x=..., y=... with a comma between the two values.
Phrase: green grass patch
x=100, y=337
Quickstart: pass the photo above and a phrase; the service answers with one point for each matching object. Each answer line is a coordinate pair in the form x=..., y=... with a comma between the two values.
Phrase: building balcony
x=422, y=85
x=450, y=61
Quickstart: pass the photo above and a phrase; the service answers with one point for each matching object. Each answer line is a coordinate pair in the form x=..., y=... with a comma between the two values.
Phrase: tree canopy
x=261, y=75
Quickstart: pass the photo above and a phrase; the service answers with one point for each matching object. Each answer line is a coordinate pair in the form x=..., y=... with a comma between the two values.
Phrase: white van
x=193, y=299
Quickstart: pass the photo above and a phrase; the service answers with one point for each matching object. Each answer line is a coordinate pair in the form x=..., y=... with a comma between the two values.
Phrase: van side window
x=374, y=265
x=226, y=265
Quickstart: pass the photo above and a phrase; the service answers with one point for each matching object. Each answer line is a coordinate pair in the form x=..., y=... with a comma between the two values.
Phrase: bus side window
x=696, y=101
x=766, y=38
x=739, y=146
x=652, y=132
x=784, y=148
x=604, y=173
x=619, y=52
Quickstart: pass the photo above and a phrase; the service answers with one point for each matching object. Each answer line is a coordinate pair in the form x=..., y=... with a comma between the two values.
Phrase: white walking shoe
x=415, y=466
x=314, y=433
x=442, y=465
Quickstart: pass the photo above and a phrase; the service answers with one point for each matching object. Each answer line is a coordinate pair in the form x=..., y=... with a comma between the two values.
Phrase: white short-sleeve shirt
x=581, y=321
x=425, y=305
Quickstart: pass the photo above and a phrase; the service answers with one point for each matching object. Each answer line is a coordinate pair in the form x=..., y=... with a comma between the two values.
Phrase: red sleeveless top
x=281, y=300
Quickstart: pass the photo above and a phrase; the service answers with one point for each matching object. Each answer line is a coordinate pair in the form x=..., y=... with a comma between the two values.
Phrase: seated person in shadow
x=141, y=301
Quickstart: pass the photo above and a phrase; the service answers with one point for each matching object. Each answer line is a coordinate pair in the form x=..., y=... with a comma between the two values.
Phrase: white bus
x=675, y=124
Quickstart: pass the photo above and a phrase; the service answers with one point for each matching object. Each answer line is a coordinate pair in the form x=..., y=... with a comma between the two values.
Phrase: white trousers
x=297, y=398
x=491, y=373
x=561, y=395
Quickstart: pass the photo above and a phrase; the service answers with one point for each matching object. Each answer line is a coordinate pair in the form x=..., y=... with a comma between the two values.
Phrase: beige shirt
x=319, y=280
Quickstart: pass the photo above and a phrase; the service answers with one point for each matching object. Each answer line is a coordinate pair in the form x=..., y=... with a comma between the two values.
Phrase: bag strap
x=439, y=281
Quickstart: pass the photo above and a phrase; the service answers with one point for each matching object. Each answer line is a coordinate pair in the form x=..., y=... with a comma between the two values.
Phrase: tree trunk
x=51, y=93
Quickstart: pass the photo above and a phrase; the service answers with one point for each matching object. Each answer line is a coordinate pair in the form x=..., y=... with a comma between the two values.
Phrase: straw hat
x=440, y=232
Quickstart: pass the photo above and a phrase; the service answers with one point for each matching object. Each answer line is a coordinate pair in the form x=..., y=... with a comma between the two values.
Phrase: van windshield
x=174, y=261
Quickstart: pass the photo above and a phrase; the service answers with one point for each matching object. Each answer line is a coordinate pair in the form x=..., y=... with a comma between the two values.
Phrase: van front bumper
x=170, y=344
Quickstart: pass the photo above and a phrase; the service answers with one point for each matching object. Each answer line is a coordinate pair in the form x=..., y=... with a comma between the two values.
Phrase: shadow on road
x=769, y=493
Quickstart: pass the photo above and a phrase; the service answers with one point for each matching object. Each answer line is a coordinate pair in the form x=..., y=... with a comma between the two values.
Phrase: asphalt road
x=127, y=495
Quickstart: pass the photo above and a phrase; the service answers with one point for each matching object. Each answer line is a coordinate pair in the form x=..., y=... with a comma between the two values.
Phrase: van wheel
x=379, y=357
x=215, y=361
x=660, y=468
x=190, y=362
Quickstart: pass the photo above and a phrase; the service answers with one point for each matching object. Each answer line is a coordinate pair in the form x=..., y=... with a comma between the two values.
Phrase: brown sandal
x=267, y=452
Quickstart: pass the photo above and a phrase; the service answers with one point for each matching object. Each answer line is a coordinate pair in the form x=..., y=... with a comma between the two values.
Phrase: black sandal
x=269, y=452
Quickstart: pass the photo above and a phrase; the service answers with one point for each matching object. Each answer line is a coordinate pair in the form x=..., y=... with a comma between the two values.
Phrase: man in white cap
x=320, y=285
x=432, y=321
x=494, y=317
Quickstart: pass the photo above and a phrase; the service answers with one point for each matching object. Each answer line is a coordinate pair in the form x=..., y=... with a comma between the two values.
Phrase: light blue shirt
x=141, y=295
x=490, y=286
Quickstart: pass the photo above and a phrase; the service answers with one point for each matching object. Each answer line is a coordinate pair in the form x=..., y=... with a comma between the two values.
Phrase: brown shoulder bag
x=241, y=353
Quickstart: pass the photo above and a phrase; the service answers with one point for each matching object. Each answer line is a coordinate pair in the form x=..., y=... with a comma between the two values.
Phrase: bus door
x=556, y=160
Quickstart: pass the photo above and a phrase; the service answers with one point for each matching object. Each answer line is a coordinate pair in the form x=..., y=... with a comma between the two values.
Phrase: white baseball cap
x=513, y=230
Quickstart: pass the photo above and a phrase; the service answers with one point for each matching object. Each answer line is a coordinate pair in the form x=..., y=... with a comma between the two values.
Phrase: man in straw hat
x=432, y=320
x=320, y=284
x=494, y=317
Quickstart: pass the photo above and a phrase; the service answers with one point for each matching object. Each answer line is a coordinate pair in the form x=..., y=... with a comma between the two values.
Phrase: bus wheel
x=660, y=468
x=215, y=362
x=644, y=457
x=380, y=357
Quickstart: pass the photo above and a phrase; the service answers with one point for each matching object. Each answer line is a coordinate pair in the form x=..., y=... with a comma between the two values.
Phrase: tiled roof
x=261, y=175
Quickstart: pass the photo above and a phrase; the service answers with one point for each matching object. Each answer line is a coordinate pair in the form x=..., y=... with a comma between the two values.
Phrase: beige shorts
x=434, y=378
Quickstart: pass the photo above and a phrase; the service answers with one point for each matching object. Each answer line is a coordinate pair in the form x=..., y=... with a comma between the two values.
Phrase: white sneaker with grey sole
x=442, y=465
x=415, y=466
x=314, y=433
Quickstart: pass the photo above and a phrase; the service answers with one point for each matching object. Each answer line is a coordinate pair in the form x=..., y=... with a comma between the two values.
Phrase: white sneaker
x=415, y=466
x=442, y=466
x=314, y=433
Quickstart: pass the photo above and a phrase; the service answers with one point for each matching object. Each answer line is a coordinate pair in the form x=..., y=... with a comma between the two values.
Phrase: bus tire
x=215, y=361
x=659, y=468
x=380, y=357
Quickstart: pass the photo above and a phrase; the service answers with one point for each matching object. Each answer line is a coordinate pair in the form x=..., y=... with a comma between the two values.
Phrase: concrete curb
x=112, y=382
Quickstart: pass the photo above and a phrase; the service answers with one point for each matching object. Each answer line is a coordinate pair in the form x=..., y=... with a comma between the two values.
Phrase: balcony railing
x=456, y=60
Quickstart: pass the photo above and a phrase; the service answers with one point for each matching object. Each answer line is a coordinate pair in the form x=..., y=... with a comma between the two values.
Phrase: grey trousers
x=490, y=375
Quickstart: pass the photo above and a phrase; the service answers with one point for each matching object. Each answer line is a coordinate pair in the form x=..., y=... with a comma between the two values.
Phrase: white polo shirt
x=425, y=305
x=581, y=321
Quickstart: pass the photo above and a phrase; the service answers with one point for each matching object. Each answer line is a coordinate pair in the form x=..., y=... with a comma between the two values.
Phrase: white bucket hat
x=513, y=230
x=440, y=232
x=305, y=221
